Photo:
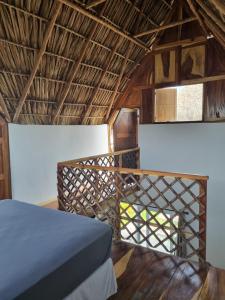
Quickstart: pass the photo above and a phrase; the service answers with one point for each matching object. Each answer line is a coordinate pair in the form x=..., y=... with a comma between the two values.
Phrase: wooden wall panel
x=165, y=67
x=5, y=182
x=147, y=106
x=214, y=108
x=193, y=62
x=215, y=58
x=125, y=134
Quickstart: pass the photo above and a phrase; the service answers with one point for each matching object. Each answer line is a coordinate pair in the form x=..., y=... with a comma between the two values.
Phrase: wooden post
x=117, y=233
x=60, y=186
x=202, y=218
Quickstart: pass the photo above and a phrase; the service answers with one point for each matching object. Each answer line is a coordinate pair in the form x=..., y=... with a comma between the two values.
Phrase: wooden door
x=5, y=182
x=125, y=130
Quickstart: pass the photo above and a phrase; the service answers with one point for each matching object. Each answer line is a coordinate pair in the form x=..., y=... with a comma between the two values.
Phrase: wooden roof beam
x=220, y=5
x=51, y=102
x=139, y=10
x=163, y=27
x=101, y=21
x=88, y=86
x=61, y=27
x=60, y=56
x=199, y=18
x=211, y=15
x=56, y=9
x=118, y=82
x=94, y=3
x=4, y=109
x=182, y=43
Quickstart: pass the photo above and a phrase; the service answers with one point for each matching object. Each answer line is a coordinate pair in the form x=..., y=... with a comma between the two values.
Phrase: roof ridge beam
x=101, y=21
x=56, y=9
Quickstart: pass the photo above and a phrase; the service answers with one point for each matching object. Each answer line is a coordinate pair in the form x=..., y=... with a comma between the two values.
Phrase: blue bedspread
x=44, y=253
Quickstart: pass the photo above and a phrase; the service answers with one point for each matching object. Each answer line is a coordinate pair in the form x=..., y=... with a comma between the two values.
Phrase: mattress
x=45, y=253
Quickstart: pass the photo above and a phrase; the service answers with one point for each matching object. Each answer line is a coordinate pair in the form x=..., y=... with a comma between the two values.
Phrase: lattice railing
x=161, y=210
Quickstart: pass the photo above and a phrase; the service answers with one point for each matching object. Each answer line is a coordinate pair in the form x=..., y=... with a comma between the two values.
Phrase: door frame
x=4, y=140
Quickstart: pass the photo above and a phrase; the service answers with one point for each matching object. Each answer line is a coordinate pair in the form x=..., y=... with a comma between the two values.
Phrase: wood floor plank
x=149, y=274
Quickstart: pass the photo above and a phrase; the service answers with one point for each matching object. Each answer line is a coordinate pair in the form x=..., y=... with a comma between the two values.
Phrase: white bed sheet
x=100, y=285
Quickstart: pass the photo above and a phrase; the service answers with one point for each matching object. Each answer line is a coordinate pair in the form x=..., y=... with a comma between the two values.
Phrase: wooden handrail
x=98, y=156
x=138, y=171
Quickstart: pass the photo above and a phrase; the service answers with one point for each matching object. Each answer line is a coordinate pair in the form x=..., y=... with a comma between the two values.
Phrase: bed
x=48, y=254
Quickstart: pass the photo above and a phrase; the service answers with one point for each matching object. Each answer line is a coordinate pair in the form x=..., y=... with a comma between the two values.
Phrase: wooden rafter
x=195, y=12
x=139, y=10
x=101, y=21
x=163, y=27
x=56, y=9
x=4, y=109
x=219, y=35
x=58, y=26
x=211, y=15
x=118, y=82
x=51, y=102
x=220, y=5
x=95, y=91
x=94, y=3
x=7, y=42
x=77, y=84
x=74, y=69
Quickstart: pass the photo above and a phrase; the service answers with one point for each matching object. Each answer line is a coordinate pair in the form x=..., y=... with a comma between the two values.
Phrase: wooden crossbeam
x=4, y=109
x=74, y=69
x=56, y=9
x=101, y=21
x=95, y=3
x=186, y=42
x=163, y=27
x=95, y=91
x=195, y=12
x=118, y=82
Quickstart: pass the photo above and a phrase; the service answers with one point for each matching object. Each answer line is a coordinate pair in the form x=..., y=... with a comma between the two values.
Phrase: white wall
x=35, y=151
x=198, y=149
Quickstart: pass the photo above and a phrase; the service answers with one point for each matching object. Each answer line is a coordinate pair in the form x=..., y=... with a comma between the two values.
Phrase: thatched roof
x=67, y=62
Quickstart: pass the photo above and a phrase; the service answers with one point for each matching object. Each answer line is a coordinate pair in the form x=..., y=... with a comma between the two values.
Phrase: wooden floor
x=144, y=274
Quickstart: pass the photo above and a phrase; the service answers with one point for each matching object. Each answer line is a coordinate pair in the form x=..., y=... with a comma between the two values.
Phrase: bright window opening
x=179, y=104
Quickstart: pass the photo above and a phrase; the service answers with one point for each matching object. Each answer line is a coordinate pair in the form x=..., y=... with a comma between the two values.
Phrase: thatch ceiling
x=67, y=62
